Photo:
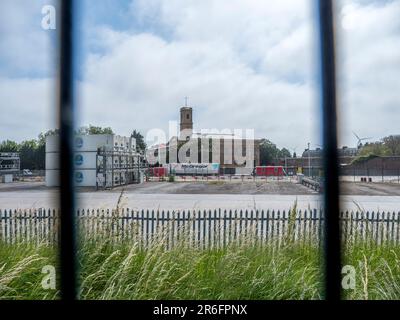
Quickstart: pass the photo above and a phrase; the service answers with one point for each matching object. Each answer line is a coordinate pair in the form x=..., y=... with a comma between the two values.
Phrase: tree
x=140, y=144
x=284, y=153
x=85, y=130
x=32, y=152
x=42, y=136
x=9, y=146
x=269, y=152
x=28, y=154
x=374, y=149
x=393, y=144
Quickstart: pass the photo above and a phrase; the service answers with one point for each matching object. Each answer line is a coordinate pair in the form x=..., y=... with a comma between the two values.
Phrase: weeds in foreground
x=245, y=270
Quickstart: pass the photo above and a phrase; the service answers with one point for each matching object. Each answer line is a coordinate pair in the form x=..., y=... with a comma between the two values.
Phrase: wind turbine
x=359, y=140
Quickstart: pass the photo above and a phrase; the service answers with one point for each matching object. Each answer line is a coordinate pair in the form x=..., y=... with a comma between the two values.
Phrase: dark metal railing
x=332, y=253
x=66, y=118
x=331, y=188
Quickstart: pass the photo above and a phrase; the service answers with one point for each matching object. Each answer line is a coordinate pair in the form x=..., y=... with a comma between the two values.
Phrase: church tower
x=186, y=118
x=186, y=125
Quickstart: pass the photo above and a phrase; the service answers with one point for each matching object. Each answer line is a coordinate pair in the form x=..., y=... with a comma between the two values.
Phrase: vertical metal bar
x=331, y=185
x=66, y=118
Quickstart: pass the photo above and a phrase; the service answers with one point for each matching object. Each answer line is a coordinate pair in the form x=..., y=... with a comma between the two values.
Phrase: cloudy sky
x=247, y=64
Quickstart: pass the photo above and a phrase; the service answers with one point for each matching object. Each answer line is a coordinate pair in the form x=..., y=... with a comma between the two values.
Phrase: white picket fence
x=215, y=228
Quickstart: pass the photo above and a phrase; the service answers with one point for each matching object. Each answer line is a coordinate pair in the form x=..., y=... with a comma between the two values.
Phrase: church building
x=235, y=152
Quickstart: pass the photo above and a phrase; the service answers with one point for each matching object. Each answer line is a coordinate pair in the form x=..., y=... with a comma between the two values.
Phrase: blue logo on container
x=78, y=160
x=78, y=177
x=215, y=166
x=78, y=142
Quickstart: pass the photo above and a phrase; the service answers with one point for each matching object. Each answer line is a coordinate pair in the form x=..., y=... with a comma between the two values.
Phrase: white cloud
x=25, y=48
x=27, y=107
x=244, y=64
x=369, y=68
x=241, y=64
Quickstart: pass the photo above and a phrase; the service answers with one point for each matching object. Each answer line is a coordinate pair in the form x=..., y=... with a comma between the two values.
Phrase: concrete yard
x=373, y=189
x=221, y=187
x=204, y=195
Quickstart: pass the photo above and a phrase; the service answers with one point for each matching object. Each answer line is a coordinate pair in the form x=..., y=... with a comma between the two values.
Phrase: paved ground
x=372, y=189
x=203, y=195
x=220, y=187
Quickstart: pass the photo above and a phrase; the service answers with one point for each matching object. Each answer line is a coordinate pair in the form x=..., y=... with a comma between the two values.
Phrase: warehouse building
x=101, y=161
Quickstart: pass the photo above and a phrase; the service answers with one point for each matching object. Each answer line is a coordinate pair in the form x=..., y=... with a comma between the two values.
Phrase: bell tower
x=186, y=118
x=186, y=125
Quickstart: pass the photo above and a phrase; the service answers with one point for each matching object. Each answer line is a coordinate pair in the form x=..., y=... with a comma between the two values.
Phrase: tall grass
x=21, y=271
x=122, y=271
x=244, y=269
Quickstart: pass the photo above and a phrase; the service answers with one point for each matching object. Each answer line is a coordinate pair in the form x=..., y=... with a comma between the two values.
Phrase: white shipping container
x=52, y=144
x=85, y=178
x=85, y=160
x=52, y=160
x=82, y=160
x=82, y=178
x=52, y=178
x=93, y=142
x=85, y=151
x=124, y=144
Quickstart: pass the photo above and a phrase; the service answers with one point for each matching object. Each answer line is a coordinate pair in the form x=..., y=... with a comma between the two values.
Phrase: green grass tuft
x=122, y=270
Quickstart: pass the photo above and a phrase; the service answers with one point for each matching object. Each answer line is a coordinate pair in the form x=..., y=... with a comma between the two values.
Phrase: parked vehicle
x=157, y=172
x=269, y=171
x=27, y=172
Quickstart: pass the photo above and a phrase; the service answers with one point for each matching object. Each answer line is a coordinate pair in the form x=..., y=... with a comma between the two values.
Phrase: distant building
x=235, y=154
x=348, y=152
x=312, y=153
x=343, y=152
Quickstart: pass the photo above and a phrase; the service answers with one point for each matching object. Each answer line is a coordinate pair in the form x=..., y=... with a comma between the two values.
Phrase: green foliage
x=269, y=152
x=21, y=271
x=246, y=270
x=360, y=159
x=124, y=271
x=375, y=148
x=9, y=146
x=284, y=153
x=32, y=152
x=370, y=151
x=94, y=130
x=28, y=151
x=392, y=143
x=140, y=144
x=42, y=136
